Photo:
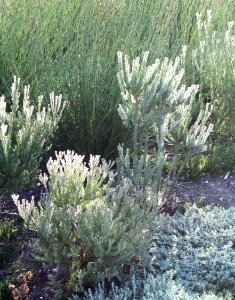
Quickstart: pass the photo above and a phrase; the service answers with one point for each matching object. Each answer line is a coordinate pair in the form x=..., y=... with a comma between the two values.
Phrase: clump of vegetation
x=5, y=293
x=88, y=224
x=16, y=289
x=93, y=222
x=24, y=132
x=218, y=159
x=10, y=246
x=214, y=60
x=199, y=247
x=70, y=47
x=9, y=231
x=160, y=287
x=21, y=292
x=158, y=108
x=87, y=229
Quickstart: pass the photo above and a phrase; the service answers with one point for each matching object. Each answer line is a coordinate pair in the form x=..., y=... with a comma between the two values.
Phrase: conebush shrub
x=87, y=229
x=199, y=247
x=25, y=130
x=156, y=102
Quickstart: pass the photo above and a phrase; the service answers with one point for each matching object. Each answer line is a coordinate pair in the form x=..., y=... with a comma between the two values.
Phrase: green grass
x=70, y=47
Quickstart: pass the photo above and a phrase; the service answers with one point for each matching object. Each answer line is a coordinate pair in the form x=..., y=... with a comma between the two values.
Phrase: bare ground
x=210, y=190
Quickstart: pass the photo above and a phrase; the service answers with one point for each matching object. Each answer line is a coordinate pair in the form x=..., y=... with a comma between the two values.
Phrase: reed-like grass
x=70, y=47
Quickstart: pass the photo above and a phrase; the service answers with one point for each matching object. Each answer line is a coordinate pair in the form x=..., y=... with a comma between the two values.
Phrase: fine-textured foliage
x=70, y=47
x=24, y=131
x=160, y=287
x=87, y=229
x=214, y=60
x=217, y=159
x=155, y=100
x=199, y=247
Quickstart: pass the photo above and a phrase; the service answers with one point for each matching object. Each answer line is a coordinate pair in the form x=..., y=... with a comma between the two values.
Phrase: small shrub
x=24, y=132
x=160, y=287
x=87, y=229
x=199, y=247
x=155, y=101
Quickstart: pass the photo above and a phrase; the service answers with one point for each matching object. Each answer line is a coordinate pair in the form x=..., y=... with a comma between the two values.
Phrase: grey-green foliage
x=24, y=131
x=199, y=247
x=160, y=287
x=87, y=229
x=214, y=60
x=155, y=100
x=71, y=181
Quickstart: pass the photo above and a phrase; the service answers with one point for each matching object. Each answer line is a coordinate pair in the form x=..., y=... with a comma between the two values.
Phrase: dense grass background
x=70, y=47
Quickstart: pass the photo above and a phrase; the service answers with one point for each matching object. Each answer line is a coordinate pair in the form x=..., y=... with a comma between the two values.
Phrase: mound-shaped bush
x=199, y=246
x=161, y=287
x=87, y=229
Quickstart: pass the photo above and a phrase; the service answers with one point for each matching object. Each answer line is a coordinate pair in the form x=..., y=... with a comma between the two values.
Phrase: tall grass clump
x=70, y=47
x=214, y=61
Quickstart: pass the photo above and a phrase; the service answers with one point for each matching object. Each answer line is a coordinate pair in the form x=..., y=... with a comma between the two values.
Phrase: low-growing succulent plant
x=21, y=292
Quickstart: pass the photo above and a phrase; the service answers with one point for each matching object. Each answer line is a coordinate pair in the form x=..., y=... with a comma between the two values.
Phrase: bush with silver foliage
x=156, y=103
x=87, y=226
x=87, y=229
x=160, y=287
x=24, y=132
x=199, y=246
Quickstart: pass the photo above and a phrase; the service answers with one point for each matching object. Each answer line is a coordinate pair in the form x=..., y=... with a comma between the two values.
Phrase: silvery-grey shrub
x=87, y=229
x=160, y=287
x=199, y=247
x=25, y=130
x=154, y=101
